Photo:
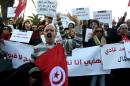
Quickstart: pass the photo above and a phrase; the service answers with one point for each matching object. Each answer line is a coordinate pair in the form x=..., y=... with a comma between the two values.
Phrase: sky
x=118, y=7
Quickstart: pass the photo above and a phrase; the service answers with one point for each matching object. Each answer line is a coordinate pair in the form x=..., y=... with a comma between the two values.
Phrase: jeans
x=96, y=78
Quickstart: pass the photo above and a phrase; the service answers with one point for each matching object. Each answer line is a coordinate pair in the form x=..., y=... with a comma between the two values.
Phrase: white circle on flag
x=57, y=76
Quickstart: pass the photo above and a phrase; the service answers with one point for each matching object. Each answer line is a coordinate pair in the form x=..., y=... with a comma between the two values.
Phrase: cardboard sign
x=11, y=12
x=104, y=16
x=127, y=48
x=113, y=56
x=47, y=7
x=81, y=13
x=20, y=36
x=88, y=34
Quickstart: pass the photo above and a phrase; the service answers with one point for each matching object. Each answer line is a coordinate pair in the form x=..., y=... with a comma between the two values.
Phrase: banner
x=47, y=7
x=104, y=16
x=11, y=12
x=113, y=56
x=20, y=36
x=81, y=13
x=18, y=52
x=82, y=63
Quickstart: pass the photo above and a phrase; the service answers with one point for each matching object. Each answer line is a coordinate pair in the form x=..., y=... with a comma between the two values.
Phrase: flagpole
x=34, y=3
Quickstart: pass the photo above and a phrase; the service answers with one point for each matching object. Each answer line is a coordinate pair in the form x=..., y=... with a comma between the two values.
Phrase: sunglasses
x=99, y=31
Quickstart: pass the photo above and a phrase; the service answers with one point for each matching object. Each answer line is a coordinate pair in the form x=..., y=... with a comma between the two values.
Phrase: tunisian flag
x=53, y=66
x=129, y=3
x=21, y=6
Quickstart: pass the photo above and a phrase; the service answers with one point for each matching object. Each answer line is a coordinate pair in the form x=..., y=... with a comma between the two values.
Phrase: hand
x=125, y=14
x=73, y=18
x=120, y=19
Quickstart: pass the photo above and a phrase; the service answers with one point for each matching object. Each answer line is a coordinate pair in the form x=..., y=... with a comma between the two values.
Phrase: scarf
x=98, y=42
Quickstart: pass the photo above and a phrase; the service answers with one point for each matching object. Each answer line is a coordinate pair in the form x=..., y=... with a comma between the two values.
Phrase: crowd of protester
x=72, y=37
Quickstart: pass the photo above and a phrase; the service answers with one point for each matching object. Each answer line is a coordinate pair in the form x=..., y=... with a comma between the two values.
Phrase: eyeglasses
x=99, y=31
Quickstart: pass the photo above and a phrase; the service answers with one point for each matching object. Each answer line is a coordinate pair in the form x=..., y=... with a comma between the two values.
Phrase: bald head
x=50, y=33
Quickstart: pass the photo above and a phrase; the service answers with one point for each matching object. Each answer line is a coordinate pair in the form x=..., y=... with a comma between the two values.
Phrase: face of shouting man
x=50, y=34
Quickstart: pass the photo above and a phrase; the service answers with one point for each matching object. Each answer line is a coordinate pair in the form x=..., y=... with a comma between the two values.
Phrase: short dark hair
x=96, y=21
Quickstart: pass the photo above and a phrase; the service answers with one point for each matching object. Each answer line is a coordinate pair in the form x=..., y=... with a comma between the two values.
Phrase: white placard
x=82, y=63
x=127, y=48
x=47, y=7
x=65, y=20
x=58, y=38
x=18, y=52
x=11, y=12
x=88, y=34
x=104, y=16
x=113, y=56
x=81, y=13
x=20, y=36
x=43, y=39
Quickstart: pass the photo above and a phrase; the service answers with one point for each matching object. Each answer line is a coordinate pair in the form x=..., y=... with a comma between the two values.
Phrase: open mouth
x=49, y=35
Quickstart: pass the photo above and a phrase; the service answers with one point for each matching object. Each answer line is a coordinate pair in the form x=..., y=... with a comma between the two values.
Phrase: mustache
x=49, y=35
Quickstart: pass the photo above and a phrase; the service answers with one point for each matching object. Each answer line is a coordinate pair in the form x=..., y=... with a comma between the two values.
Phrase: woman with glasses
x=98, y=38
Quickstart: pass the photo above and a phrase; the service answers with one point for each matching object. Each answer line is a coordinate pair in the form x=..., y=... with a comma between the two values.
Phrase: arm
x=121, y=20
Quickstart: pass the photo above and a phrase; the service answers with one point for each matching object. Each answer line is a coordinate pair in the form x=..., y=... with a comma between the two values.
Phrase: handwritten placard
x=20, y=36
x=113, y=56
x=127, y=48
x=104, y=16
x=47, y=7
x=11, y=12
x=88, y=34
x=81, y=13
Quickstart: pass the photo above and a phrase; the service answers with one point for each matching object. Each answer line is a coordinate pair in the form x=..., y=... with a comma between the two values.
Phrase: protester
x=98, y=38
x=7, y=32
x=27, y=26
x=121, y=76
x=5, y=64
x=49, y=33
x=35, y=38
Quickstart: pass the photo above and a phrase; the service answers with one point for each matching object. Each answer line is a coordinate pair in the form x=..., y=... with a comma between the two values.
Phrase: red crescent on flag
x=54, y=82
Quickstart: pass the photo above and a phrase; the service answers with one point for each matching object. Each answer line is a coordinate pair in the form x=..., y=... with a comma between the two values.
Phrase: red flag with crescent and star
x=21, y=6
x=53, y=67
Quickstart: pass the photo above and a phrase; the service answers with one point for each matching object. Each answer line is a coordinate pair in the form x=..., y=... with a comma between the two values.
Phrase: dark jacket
x=20, y=76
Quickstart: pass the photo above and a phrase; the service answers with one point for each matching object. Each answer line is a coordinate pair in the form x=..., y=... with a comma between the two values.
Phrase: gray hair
x=122, y=25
